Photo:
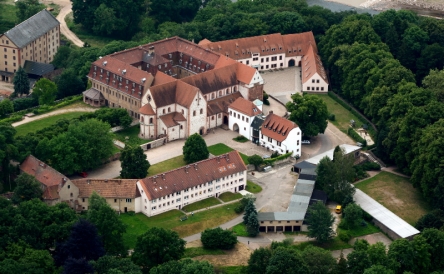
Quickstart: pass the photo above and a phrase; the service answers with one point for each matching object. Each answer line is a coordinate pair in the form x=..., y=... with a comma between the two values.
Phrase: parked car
x=265, y=156
x=83, y=174
x=338, y=209
x=305, y=142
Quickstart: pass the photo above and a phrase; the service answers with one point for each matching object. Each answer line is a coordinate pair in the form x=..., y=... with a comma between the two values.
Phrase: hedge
x=271, y=161
x=62, y=103
x=355, y=136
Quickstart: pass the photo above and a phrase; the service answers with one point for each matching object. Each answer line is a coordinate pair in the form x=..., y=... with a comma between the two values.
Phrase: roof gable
x=45, y=174
x=246, y=107
x=107, y=188
x=32, y=28
x=277, y=127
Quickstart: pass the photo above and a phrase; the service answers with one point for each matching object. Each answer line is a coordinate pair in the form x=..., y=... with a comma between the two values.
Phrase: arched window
x=169, y=110
x=227, y=91
x=163, y=111
x=194, y=113
x=183, y=112
x=220, y=93
x=201, y=111
x=151, y=120
x=141, y=119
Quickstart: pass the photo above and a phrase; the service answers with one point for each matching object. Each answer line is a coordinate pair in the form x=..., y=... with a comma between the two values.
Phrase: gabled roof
x=37, y=68
x=298, y=43
x=93, y=94
x=45, y=174
x=32, y=28
x=172, y=119
x=277, y=127
x=221, y=104
x=172, y=93
x=246, y=107
x=107, y=188
x=162, y=78
x=193, y=175
x=311, y=64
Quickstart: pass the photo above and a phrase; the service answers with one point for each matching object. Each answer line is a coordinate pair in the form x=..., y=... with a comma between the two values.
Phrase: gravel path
x=56, y=112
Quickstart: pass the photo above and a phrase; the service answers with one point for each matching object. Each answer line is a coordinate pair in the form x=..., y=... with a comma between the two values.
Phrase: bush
x=239, y=209
x=355, y=136
x=218, y=238
x=343, y=224
x=367, y=216
x=266, y=102
x=240, y=139
x=331, y=117
x=371, y=166
x=344, y=236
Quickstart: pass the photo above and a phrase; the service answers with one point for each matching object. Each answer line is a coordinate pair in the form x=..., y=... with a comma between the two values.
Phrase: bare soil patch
x=239, y=255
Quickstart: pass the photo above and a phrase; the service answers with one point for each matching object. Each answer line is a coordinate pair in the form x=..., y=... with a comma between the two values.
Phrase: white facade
x=178, y=200
x=315, y=83
x=240, y=123
x=291, y=143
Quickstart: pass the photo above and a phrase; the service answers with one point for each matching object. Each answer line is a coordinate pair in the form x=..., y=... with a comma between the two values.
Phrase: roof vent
x=105, y=62
x=143, y=80
x=124, y=71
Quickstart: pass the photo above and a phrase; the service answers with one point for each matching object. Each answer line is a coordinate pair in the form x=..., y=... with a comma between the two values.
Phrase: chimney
x=195, y=166
x=186, y=168
x=163, y=176
x=228, y=157
x=270, y=112
x=104, y=63
x=151, y=50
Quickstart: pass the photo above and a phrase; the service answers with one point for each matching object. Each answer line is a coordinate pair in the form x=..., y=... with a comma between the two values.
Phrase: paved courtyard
x=282, y=83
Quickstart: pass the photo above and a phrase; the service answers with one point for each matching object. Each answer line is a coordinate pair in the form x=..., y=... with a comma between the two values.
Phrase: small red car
x=83, y=174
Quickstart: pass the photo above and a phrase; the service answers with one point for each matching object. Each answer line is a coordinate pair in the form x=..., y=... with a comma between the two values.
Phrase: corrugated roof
x=32, y=28
x=384, y=216
x=107, y=188
x=346, y=147
x=193, y=175
x=37, y=68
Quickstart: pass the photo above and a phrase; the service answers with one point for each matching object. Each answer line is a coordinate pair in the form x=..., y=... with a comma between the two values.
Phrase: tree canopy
x=45, y=90
x=21, y=81
x=218, y=238
x=319, y=222
x=134, y=163
x=27, y=188
x=309, y=113
x=195, y=149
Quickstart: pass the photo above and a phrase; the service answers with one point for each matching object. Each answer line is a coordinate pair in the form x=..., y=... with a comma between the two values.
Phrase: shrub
x=344, y=236
x=371, y=166
x=240, y=139
x=265, y=96
x=331, y=117
x=343, y=224
x=239, y=209
x=355, y=136
x=218, y=238
x=366, y=216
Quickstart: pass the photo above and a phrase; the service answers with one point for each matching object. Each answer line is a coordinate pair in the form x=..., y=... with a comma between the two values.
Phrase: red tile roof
x=193, y=175
x=246, y=107
x=107, y=188
x=298, y=43
x=221, y=104
x=311, y=64
x=172, y=93
x=172, y=119
x=277, y=127
x=162, y=78
x=42, y=172
x=147, y=110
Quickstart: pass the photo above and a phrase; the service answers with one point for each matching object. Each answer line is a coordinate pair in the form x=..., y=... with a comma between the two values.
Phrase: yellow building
x=35, y=39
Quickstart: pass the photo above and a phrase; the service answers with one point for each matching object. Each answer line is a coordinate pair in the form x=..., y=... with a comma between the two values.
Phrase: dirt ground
x=237, y=256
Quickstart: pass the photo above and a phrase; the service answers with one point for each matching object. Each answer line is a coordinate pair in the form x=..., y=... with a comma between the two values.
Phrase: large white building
x=276, y=51
x=177, y=188
x=280, y=135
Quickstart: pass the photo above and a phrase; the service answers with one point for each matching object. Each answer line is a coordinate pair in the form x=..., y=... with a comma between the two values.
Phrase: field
x=45, y=122
x=230, y=196
x=167, y=165
x=138, y=224
x=132, y=134
x=192, y=252
x=219, y=149
x=397, y=194
x=201, y=204
x=253, y=188
x=240, y=230
x=342, y=115
x=361, y=230
x=92, y=39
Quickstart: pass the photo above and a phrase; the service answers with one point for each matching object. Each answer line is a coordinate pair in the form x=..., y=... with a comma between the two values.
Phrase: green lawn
x=342, y=115
x=192, y=252
x=167, y=165
x=253, y=188
x=86, y=36
x=139, y=223
x=45, y=122
x=361, y=230
x=397, y=194
x=229, y=196
x=244, y=158
x=240, y=230
x=201, y=204
x=219, y=149
x=238, y=269
x=333, y=244
x=132, y=134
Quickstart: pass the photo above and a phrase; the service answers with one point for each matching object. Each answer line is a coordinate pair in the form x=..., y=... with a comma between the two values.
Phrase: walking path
x=52, y=113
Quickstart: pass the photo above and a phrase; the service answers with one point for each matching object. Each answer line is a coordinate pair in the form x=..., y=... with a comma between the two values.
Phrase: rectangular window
x=274, y=58
x=280, y=57
x=262, y=59
x=270, y=140
x=128, y=200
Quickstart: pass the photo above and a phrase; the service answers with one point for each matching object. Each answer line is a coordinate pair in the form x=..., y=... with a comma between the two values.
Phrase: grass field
x=201, y=204
x=238, y=269
x=240, y=230
x=361, y=230
x=192, y=252
x=92, y=39
x=132, y=134
x=397, y=194
x=45, y=122
x=167, y=165
x=8, y=18
x=139, y=223
x=229, y=196
x=219, y=149
x=253, y=188
x=342, y=115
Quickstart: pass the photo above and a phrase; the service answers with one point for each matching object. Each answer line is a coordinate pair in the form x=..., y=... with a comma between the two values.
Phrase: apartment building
x=35, y=39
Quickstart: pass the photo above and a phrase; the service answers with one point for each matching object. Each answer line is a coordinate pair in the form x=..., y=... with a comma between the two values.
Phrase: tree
x=109, y=226
x=77, y=265
x=6, y=107
x=435, y=82
x=195, y=149
x=218, y=238
x=259, y=260
x=185, y=266
x=108, y=263
x=284, y=260
x=341, y=267
x=45, y=90
x=21, y=81
x=309, y=112
x=27, y=188
x=8, y=151
x=61, y=58
x=250, y=218
x=134, y=163
x=435, y=239
x=255, y=160
x=157, y=246
x=318, y=260
x=68, y=84
x=353, y=215
x=27, y=8
x=358, y=260
x=378, y=269
x=402, y=251
x=433, y=219
x=83, y=244
x=319, y=222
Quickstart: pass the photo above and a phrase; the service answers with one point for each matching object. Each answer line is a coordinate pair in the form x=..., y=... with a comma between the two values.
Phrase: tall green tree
x=27, y=8
x=45, y=90
x=319, y=221
x=157, y=246
x=6, y=107
x=134, y=163
x=109, y=226
x=195, y=149
x=27, y=188
x=259, y=260
x=114, y=264
x=21, y=81
x=250, y=218
x=8, y=152
x=309, y=113
x=218, y=238
x=255, y=160
x=286, y=261
x=318, y=260
x=353, y=215
x=68, y=84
